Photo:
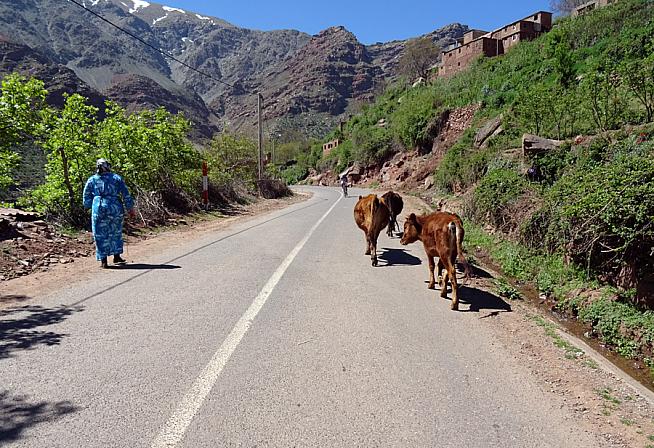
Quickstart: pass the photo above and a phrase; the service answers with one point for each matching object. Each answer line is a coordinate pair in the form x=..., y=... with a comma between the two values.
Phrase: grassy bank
x=609, y=313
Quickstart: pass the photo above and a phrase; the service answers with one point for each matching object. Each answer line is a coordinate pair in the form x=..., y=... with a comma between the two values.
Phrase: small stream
x=634, y=368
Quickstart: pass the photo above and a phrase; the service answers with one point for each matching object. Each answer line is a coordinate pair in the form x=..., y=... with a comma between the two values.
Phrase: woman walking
x=101, y=195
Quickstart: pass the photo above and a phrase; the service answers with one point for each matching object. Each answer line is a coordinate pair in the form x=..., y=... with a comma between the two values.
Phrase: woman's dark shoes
x=119, y=260
x=103, y=263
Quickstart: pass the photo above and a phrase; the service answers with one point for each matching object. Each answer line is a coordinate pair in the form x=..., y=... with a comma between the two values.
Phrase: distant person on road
x=344, y=184
x=101, y=195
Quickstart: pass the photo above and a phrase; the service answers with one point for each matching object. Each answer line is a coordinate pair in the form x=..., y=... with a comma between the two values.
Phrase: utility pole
x=260, y=139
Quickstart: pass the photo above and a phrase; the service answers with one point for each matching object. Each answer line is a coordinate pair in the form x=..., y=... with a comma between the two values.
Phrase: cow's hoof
x=455, y=306
x=367, y=252
x=431, y=286
x=444, y=295
x=374, y=263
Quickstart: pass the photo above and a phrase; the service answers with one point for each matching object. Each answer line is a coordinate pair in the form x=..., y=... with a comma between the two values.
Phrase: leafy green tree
x=149, y=147
x=532, y=108
x=233, y=158
x=638, y=76
x=604, y=98
x=560, y=51
x=69, y=142
x=22, y=104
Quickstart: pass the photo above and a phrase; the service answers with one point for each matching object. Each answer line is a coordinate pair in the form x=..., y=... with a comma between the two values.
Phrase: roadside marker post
x=205, y=185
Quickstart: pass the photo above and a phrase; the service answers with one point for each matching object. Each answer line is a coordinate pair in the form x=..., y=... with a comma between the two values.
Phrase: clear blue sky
x=371, y=21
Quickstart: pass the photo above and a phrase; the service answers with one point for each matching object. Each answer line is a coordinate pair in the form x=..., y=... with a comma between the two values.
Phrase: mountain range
x=308, y=82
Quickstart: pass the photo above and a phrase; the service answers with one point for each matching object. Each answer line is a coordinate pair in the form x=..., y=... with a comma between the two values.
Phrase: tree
x=22, y=103
x=69, y=144
x=565, y=7
x=532, y=108
x=604, y=98
x=419, y=56
x=638, y=76
x=233, y=158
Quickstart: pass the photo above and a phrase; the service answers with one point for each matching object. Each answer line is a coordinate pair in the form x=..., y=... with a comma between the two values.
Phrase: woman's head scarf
x=103, y=166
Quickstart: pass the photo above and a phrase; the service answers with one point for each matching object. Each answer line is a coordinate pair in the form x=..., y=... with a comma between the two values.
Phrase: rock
x=533, y=144
x=429, y=183
x=357, y=169
x=487, y=131
x=497, y=132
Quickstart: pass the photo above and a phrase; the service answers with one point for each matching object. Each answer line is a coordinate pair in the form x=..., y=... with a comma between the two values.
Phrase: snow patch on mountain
x=154, y=22
x=138, y=4
x=171, y=9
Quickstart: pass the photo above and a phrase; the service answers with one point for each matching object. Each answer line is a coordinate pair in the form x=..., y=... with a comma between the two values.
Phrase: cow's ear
x=412, y=217
x=360, y=197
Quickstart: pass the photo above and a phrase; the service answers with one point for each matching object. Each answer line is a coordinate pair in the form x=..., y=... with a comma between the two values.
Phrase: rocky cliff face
x=58, y=79
x=307, y=81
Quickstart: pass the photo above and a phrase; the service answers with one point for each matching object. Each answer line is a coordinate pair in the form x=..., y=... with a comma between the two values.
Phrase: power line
x=158, y=50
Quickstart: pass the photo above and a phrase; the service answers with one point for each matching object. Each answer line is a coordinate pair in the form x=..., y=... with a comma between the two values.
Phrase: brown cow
x=395, y=205
x=371, y=215
x=441, y=234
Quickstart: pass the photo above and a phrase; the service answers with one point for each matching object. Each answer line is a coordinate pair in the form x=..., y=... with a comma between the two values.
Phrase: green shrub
x=463, y=166
x=410, y=119
x=603, y=215
x=619, y=324
x=496, y=191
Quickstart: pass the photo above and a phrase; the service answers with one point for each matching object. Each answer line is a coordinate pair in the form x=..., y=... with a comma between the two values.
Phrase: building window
x=536, y=17
x=458, y=64
x=515, y=36
x=459, y=51
x=514, y=27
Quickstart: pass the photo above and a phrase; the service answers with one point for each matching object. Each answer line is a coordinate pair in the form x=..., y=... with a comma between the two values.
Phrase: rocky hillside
x=304, y=79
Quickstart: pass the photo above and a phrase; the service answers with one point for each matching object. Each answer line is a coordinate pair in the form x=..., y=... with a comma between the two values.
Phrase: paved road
x=276, y=332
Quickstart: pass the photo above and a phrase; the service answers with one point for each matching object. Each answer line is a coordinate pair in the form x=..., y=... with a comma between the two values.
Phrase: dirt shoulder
x=83, y=266
x=601, y=398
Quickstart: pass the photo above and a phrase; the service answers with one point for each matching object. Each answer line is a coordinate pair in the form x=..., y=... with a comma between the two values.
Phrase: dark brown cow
x=395, y=205
x=371, y=215
x=441, y=234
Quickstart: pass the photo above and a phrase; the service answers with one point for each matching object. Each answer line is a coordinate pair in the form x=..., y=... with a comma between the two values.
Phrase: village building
x=589, y=6
x=477, y=43
x=329, y=146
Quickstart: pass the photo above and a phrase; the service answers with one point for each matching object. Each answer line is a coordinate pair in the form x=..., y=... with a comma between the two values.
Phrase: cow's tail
x=374, y=205
x=459, y=249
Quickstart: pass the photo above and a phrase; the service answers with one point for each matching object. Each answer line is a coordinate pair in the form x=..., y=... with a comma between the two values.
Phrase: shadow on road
x=143, y=266
x=8, y=298
x=481, y=300
x=17, y=414
x=21, y=327
x=398, y=257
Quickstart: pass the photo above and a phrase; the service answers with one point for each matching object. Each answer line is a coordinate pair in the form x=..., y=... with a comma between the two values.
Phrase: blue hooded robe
x=101, y=195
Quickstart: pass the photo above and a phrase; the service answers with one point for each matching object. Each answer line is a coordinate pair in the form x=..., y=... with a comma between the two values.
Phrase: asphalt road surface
x=276, y=332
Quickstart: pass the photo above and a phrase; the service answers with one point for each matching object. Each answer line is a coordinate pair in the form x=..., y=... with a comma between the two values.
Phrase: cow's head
x=412, y=229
